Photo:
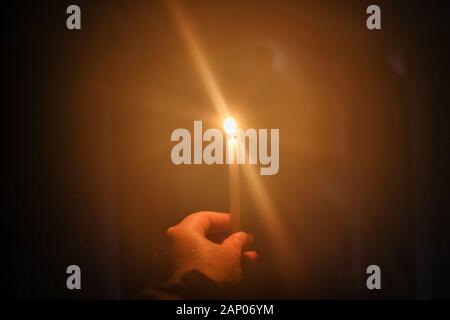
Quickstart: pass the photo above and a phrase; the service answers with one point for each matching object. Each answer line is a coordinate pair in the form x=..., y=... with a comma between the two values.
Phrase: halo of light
x=230, y=125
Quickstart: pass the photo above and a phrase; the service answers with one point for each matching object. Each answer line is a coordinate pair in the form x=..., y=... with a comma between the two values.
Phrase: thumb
x=237, y=241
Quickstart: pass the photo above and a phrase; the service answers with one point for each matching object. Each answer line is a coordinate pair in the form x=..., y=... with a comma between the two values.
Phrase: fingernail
x=241, y=236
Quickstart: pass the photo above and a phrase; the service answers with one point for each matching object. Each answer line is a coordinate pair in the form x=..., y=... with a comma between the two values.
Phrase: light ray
x=261, y=197
x=199, y=58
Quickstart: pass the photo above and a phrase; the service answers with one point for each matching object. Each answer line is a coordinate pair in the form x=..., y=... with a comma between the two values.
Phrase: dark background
x=363, y=138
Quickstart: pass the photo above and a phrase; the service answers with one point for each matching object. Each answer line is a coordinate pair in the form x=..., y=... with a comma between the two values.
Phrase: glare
x=230, y=125
x=269, y=214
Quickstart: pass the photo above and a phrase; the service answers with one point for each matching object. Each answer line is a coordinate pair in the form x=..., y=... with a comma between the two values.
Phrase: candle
x=230, y=126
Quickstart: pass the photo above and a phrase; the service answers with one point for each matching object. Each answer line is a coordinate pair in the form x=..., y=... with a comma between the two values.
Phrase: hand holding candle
x=192, y=250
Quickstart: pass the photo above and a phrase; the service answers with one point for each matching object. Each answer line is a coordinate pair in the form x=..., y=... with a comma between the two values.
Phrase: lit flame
x=230, y=125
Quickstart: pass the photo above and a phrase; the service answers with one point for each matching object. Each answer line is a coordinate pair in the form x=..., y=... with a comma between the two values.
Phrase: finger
x=206, y=222
x=250, y=255
x=237, y=241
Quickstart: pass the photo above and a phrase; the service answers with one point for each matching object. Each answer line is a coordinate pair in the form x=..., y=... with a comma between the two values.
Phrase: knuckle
x=171, y=231
x=199, y=214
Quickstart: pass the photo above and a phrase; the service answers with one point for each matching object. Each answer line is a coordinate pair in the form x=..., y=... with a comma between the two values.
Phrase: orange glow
x=199, y=58
x=230, y=125
x=266, y=207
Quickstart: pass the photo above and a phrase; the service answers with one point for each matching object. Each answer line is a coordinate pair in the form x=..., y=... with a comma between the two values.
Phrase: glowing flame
x=230, y=125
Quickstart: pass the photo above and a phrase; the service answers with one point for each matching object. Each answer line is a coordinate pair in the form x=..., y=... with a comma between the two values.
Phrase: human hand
x=192, y=250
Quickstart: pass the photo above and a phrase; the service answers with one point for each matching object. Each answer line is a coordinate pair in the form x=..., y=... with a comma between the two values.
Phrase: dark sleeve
x=194, y=285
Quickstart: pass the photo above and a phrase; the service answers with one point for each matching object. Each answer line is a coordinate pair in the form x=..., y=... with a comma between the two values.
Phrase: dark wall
x=363, y=123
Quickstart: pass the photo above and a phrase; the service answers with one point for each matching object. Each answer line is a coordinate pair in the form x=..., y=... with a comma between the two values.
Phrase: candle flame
x=230, y=125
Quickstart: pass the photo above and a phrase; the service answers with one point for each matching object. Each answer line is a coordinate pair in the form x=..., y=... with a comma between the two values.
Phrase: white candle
x=233, y=173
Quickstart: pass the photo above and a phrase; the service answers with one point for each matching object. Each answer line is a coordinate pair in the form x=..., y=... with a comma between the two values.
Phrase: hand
x=191, y=249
